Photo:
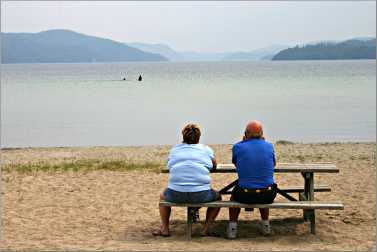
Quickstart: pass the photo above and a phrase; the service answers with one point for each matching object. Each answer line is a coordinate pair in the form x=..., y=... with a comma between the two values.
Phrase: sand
x=116, y=210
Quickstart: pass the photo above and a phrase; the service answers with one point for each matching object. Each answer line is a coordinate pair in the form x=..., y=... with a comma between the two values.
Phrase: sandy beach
x=116, y=209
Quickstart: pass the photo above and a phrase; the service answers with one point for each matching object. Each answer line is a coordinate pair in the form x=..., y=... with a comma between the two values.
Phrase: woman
x=189, y=165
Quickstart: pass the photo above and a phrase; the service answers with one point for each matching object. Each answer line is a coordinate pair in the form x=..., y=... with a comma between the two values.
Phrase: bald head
x=254, y=130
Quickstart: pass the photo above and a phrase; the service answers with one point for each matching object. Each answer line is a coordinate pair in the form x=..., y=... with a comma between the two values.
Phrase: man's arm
x=234, y=155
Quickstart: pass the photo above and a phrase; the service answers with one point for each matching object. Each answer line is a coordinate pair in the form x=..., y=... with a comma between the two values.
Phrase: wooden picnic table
x=307, y=171
x=306, y=194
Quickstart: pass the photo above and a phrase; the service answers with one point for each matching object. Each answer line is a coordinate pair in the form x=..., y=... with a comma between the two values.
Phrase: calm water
x=88, y=104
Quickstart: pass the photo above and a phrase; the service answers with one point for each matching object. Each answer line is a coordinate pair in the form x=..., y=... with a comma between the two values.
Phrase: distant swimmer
x=140, y=78
x=124, y=78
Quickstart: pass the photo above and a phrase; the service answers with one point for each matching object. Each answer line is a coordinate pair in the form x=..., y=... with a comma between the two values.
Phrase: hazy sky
x=197, y=26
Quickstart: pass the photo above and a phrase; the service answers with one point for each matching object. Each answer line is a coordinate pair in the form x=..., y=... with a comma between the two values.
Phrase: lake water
x=89, y=104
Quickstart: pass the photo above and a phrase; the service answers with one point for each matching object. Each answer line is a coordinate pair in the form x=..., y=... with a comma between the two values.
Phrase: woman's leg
x=165, y=215
x=211, y=215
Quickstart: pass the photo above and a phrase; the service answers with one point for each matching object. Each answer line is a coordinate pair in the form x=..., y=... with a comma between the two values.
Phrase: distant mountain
x=265, y=53
x=363, y=38
x=55, y=46
x=350, y=49
x=320, y=42
x=68, y=46
x=173, y=55
x=202, y=56
x=161, y=49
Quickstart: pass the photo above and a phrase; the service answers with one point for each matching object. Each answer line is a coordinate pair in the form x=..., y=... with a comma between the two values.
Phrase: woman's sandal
x=159, y=233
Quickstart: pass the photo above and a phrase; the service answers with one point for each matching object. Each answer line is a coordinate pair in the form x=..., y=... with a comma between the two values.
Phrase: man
x=254, y=159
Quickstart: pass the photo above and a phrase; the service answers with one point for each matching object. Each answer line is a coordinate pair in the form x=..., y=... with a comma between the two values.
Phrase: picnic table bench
x=305, y=200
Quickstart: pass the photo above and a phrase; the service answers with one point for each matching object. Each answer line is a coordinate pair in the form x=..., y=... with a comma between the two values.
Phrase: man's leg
x=264, y=213
x=233, y=214
x=233, y=218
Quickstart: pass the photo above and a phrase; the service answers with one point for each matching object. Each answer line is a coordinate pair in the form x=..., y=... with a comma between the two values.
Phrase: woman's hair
x=191, y=134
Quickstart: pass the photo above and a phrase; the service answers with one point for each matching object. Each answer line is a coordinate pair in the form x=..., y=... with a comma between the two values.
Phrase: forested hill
x=55, y=46
x=349, y=49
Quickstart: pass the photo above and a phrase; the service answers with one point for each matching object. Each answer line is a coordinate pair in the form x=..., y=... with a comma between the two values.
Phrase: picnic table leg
x=308, y=188
x=311, y=186
x=304, y=195
x=309, y=195
x=190, y=220
x=312, y=221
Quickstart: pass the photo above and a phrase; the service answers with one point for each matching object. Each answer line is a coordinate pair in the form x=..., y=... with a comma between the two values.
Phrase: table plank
x=283, y=167
x=287, y=167
x=285, y=205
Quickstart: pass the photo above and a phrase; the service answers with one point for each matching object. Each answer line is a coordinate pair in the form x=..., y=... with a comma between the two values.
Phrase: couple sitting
x=189, y=165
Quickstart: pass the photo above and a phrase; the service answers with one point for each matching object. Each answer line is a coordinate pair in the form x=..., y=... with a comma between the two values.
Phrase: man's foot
x=232, y=230
x=265, y=227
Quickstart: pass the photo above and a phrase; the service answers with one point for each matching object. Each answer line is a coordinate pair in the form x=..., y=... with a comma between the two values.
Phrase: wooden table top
x=283, y=167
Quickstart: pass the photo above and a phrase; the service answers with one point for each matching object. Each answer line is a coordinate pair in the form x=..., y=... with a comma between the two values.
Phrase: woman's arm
x=214, y=164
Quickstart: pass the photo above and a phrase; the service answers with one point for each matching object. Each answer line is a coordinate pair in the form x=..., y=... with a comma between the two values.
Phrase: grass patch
x=84, y=165
x=284, y=142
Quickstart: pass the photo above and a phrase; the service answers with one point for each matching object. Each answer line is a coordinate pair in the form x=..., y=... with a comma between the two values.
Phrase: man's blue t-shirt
x=255, y=161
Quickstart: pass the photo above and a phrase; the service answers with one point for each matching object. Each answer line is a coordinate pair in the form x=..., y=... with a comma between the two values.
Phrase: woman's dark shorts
x=191, y=197
x=254, y=196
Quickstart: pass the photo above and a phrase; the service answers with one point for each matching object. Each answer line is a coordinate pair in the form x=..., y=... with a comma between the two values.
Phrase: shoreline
x=163, y=145
x=158, y=154
x=105, y=208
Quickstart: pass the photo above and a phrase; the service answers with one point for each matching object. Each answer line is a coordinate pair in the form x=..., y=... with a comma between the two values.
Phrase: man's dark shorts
x=191, y=197
x=254, y=196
